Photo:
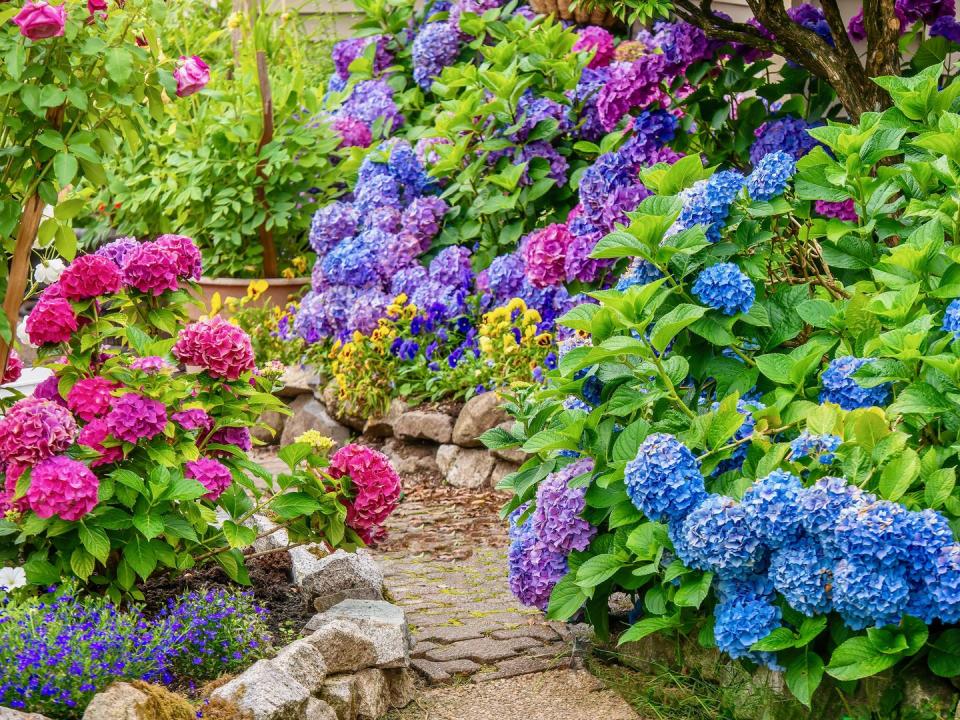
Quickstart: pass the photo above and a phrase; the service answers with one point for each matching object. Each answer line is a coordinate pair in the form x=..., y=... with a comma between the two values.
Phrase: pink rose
x=39, y=20
x=192, y=75
x=95, y=6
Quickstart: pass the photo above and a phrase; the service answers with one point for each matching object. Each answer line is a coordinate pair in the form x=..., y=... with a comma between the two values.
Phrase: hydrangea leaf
x=804, y=675
x=565, y=599
x=648, y=626
x=858, y=658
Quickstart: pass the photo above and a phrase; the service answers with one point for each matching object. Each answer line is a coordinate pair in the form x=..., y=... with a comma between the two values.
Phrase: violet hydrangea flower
x=557, y=519
x=134, y=417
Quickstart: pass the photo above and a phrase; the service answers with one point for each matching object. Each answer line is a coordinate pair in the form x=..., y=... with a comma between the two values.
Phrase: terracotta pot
x=277, y=294
x=580, y=15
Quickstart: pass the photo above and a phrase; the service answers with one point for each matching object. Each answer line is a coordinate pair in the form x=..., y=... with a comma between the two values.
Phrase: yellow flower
x=544, y=339
x=320, y=442
x=486, y=345
x=299, y=263
x=410, y=311
x=400, y=299
x=288, y=273
x=532, y=316
x=516, y=304
x=256, y=288
x=215, y=304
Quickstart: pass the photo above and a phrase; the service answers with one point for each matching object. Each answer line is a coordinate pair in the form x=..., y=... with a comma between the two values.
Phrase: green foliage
x=825, y=288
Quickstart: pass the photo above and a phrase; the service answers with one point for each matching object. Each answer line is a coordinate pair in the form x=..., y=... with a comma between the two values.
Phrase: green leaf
x=804, y=675
x=82, y=563
x=938, y=486
x=628, y=441
x=149, y=524
x=41, y=572
x=233, y=565
x=899, y=475
x=184, y=488
x=857, y=658
x=239, y=536
x=565, y=599
x=673, y=322
x=96, y=542
x=920, y=399
x=140, y=556
x=598, y=569
x=294, y=454
x=118, y=64
x=64, y=168
x=648, y=626
x=292, y=505
x=944, y=657
x=693, y=590
x=497, y=438
x=775, y=366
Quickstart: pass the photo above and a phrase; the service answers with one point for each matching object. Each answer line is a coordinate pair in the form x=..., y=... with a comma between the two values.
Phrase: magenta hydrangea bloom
x=352, y=132
x=14, y=368
x=49, y=389
x=34, y=429
x=62, y=486
x=193, y=419
x=222, y=349
x=376, y=487
x=151, y=364
x=89, y=276
x=189, y=262
x=596, y=39
x=135, y=417
x=631, y=85
x=236, y=436
x=544, y=254
x=90, y=398
x=92, y=436
x=51, y=320
x=151, y=268
x=557, y=518
x=213, y=475
x=841, y=210
x=578, y=264
x=11, y=475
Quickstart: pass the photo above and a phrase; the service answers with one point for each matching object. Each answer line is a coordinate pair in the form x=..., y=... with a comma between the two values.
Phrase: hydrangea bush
x=762, y=426
x=131, y=458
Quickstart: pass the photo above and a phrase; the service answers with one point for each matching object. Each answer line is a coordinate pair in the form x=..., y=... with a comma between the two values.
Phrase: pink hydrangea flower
x=41, y=20
x=11, y=476
x=597, y=39
x=353, y=132
x=97, y=6
x=49, y=389
x=213, y=475
x=90, y=398
x=189, y=262
x=376, y=486
x=34, y=429
x=14, y=367
x=544, y=253
x=134, y=417
x=193, y=419
x=92, y=436
x=222, y=349
x=236, y=436
x=151, y=268
x=89, y=276
x=151, y=364
x=192, y=75
x=62, y=486
x=52, y=320
x=841, y=210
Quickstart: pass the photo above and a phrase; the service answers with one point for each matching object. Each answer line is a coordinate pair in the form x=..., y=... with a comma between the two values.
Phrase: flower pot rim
x=208, y=280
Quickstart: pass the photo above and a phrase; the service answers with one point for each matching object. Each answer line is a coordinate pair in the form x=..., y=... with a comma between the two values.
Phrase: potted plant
x=237, y=167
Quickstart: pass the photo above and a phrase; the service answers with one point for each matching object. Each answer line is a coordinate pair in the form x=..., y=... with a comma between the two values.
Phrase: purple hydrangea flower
x=331, y=224
x=533, y=570
x=788, y=134
x=436, y=46
x=118, y=249
x=631, y=85
x=557, y=518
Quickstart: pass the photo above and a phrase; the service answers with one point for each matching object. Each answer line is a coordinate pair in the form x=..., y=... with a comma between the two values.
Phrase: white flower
x=48, y=271
x=22, y=335
x=12, y=578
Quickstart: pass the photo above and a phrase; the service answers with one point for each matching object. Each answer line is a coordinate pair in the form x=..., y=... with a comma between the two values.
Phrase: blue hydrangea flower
x=708, y=203
x=928, y=533
x=773, y=509
x=331, y=224
x=586, y=94
x=951, y=318
x=573, y=403
x=372, y=100
x=726, y=288
x=755, y=584
x=840, y=387
x=806, y=444
x=353, y=261
x=742, y=620
x=718, y=536
x=771, y=176
x=377, y=191
x=406, y=169
x=557, y=518
x=878, y=531
x=801, y=573
x=822, y=503
x=664, y=480
x=788, y=134
x=868, y=594
x=436, y=46
x=591, y=389
x=946, y=590
x=533, y=110
x=638, y=272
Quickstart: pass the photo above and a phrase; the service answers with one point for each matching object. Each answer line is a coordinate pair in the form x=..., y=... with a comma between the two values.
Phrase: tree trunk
x=270, y=268
x=20, y=270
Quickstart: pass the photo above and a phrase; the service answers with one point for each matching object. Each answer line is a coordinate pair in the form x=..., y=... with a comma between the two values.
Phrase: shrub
x=60, y=649
x=118, y=465
x=774, y=459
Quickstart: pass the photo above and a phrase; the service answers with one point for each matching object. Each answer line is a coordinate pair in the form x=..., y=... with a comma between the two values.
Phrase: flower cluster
x=726, y=288
x=217, y=346
x=375, y=488
x=557, y=518
x=840, y=387
x=532, y=568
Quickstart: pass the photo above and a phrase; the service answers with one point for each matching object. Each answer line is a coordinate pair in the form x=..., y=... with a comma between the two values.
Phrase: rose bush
x=766, y=417
x=121, y=465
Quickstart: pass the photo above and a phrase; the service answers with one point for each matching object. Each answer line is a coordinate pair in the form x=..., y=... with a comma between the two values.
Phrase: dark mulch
x=270, y=583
